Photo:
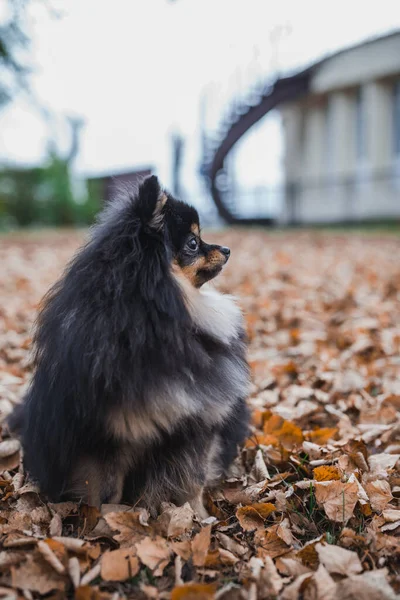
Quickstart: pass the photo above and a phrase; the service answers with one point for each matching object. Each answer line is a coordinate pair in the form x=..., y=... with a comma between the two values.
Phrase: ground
x=311, y=508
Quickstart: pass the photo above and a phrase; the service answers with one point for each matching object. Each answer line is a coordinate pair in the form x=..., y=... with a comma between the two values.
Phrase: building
x=103, y=188
x=342, y=139
x=341, y=129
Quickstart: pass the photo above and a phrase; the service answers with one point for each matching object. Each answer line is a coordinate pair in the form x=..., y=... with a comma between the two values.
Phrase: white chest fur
x=216, y=314
x=212, y=312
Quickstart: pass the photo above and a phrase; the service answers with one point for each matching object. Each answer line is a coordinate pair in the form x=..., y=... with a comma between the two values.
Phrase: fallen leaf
x=379, y=494
x=372, y=585
x=326, y=473
x=182, y=549
x=154, y=553
x=200, y=546
x=179, y=519
x=337, y=499
x=391, y=514
x=232, y=545
x=194, y=591
x=131, y=525
x=381, y=463
x=270, y=543
x=322, y=435
x=339, y=560
x=46, y=549
x=283, y=432
x=252, y=517
x=119, y=565
x=36, y=575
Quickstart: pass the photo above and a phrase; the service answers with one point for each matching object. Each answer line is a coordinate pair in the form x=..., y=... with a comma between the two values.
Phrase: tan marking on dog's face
x=195, y=229
x=203, y=268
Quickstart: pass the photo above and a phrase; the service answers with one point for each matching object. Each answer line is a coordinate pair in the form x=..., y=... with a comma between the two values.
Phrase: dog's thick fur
x=140, y=376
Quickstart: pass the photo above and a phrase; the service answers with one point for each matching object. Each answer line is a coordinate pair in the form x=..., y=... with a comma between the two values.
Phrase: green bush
x=44, y=196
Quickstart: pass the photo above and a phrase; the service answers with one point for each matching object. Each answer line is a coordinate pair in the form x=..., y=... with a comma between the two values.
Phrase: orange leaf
x=264, y=508
x=200, y=545
x=321, y=435
x=252, y=517
x=285, y=432
x=326, y=473
x=194, y=591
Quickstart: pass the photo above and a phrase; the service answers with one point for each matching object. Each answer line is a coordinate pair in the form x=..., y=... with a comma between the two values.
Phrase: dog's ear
x=150, y=203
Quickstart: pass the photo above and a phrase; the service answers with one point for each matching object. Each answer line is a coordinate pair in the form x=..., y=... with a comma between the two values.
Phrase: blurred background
x=256, y=112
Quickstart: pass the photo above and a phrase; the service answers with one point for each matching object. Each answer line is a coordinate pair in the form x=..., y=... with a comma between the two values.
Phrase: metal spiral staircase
x=240, y=118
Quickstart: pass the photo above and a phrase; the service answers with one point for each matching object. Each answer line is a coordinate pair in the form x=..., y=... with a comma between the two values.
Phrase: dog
x=140, y=373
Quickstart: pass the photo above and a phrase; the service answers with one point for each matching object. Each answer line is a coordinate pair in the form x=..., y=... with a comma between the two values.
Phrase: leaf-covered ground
x=311, y=508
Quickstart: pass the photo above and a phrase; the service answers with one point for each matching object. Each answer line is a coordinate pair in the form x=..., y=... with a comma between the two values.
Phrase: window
x=396, y=118
x=361, y=148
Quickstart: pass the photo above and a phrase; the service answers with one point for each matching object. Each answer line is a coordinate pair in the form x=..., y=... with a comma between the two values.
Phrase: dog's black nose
x=225, y=251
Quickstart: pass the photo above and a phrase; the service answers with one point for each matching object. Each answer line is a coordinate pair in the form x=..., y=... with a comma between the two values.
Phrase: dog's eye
x=192, y=244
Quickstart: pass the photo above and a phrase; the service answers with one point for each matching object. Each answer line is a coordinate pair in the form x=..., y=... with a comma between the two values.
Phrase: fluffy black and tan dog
x=140, y=373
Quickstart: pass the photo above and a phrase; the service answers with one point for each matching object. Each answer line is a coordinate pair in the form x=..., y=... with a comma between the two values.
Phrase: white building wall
x=338, y=175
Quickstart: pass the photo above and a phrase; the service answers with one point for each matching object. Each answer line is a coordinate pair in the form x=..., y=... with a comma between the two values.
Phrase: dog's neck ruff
x=212, y=312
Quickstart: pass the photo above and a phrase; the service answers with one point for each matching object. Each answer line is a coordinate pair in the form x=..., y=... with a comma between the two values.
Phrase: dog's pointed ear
x=150, y=203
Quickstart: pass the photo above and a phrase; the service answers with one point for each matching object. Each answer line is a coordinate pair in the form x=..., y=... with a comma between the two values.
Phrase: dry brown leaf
x=55, y=527
x=155, y=553
x=48, y=549
x=379, y=494
x=200, y=546
x=182, y=549
x=179, y=519
x=131, y=525
x=232, y=545
x=252, y=517
x=270, y=543
x=372, y=585
x=320, y=586
x=291, y=567
x=294, y=590
x=337, y=499
x=119, y=565
x=36, y=575
x=391, y=514
x=270, y=580
x=339, y=560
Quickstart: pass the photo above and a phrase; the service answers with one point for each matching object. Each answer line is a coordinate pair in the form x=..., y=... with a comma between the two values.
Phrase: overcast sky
x=135, y=70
